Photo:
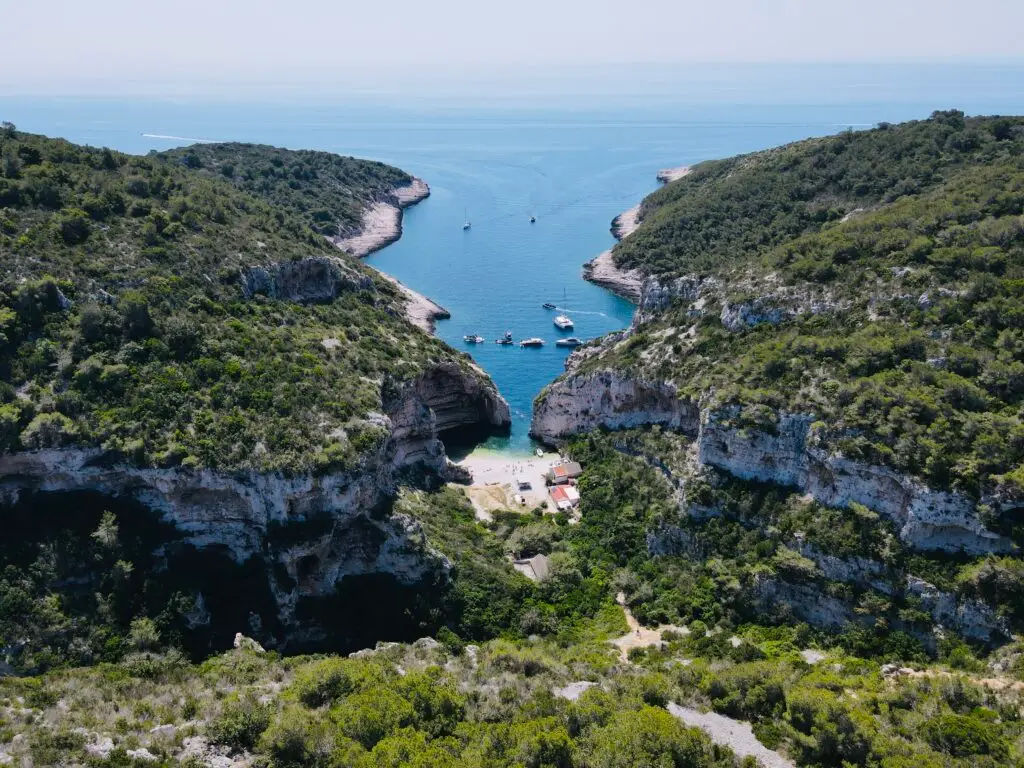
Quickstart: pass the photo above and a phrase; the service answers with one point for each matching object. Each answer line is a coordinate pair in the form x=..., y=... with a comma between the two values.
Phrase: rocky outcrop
x=668, y=175
x=927, y=518
x=602, y=270
x=382, y=222
x=305, y=280
x=747, y=314
x=580, y=403
x=627, y=283
x=444, y=399
x=969, y=617
x=337, y=522
x=784, y=454
x=658, y=295
x=626, y=223
x=810, y=602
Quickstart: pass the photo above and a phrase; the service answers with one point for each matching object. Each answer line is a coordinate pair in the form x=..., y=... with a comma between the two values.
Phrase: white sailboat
x=467, y=223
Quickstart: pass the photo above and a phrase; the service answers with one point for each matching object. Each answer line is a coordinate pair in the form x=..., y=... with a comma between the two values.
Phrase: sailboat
x=467, y=223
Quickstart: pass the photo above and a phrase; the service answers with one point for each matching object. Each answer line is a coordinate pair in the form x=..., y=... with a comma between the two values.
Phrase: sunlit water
x=573, y=170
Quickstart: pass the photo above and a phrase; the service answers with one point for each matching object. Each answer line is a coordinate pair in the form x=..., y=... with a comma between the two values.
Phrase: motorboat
x=563, y=323
x=472, y=339
x=572, y=341
x=548, y=305
x=532, y=342
x=505, y=340
x=533, y=219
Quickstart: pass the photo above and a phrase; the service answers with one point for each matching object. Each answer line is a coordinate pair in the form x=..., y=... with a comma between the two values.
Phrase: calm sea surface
x=574, y=170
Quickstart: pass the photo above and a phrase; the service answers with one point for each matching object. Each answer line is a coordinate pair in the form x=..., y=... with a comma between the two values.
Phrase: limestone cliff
x=308, y=531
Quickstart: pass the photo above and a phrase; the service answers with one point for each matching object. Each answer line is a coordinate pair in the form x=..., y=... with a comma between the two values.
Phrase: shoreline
x=493, y=473
x=382, y=221
x=602, y=271
x=668, y=175
x=382, y=226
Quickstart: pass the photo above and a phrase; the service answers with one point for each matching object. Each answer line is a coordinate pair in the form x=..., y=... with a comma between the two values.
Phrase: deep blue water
x=574, y=170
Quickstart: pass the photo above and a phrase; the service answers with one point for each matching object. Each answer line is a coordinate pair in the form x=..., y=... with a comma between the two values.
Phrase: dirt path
x=638, y=636
x=735, y=734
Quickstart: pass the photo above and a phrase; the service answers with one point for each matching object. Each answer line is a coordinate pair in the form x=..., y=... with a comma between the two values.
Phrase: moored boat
x=563, y=323
x=532, y=342
x=473, y=339
x=505, y=340
x=548, y=305
x=572, y=341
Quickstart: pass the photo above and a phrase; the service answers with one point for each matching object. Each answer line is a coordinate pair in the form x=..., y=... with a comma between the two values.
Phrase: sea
x=573, y=159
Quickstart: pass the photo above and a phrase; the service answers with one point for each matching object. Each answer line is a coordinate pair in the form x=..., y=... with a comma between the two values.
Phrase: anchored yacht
x=563, y=323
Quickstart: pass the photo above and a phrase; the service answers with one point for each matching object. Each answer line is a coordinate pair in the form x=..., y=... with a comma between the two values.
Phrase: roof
x=535, y=568
x=567, y=494
x=568, y=469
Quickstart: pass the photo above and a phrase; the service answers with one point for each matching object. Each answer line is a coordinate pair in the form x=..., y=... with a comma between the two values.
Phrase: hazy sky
x=76, y=45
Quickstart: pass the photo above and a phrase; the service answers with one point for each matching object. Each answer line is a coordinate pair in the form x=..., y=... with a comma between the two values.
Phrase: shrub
x=241, y=722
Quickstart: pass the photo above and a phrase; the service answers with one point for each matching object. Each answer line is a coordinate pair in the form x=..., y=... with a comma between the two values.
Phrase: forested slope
x=178, y=312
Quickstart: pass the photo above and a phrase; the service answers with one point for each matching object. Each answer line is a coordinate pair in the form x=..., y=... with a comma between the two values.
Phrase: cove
x=574, y=170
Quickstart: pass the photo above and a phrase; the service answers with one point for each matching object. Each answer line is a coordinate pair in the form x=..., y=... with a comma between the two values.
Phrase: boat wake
x=179, y=138
x=582, y=311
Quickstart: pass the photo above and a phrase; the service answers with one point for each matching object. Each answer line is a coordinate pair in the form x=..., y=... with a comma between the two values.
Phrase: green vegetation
x=327, y=192
x=884, y=273
x=497, y=705
x=123, y=323
x=727, y=211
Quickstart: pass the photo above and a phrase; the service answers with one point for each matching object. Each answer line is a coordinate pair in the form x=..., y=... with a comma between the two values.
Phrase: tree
x=650, y=737
x=144, y=635
x=7, y=129
x=106, y=532
x=48, y=430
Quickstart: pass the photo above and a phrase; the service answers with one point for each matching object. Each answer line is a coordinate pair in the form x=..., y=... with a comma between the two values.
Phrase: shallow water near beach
x=572, y=169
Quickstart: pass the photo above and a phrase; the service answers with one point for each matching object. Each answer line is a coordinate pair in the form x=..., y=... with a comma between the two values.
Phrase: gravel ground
x=734, y=734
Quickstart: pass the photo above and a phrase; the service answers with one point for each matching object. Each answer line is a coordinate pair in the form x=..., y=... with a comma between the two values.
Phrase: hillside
x=897, y=327
x=326, y=192
x=182, y=356
x=185, y=317
x=829, y=340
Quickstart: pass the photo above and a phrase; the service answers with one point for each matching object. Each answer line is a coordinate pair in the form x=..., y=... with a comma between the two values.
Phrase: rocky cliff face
x=580, y=403
x=787, y=455
x=927, y=519
x=809, y=602
x=336, y=524
x=305, y=280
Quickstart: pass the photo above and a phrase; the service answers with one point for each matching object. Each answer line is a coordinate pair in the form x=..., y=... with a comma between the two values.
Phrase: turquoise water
x=574, y=170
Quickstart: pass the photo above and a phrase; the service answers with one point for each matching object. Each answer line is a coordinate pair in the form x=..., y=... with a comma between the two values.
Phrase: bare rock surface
x=382, y=221
x=234, y=512
x=735, y=734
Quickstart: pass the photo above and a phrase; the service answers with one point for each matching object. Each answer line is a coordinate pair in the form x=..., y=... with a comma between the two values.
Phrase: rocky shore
x=603, y=271
x=668, y=175
x=382, y=221
x=381, y=226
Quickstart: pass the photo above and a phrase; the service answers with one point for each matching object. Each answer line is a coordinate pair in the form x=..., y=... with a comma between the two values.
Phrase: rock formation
x=240, y=513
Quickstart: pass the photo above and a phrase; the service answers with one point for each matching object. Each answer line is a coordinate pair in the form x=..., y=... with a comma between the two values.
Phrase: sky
x=120, y=46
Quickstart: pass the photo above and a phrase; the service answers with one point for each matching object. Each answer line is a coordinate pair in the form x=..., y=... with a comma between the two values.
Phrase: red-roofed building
x=565, y=497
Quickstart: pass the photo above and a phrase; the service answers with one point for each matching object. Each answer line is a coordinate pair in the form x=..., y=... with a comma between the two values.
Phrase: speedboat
x=572, y=341
x=505, y=340
x=533, y=342
x=548, y=305
x=473, y=339
x=563, y=323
